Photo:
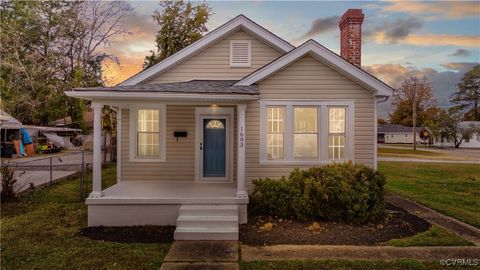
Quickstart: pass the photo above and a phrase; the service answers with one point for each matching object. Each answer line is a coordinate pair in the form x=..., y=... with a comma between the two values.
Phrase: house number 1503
x=241, y=137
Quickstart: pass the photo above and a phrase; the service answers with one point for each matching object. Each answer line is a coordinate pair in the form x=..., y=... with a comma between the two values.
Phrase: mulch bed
x=133, y=234
x=397, y=223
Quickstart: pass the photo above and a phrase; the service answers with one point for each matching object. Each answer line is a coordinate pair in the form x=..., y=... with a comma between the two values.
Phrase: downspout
x=377, y=100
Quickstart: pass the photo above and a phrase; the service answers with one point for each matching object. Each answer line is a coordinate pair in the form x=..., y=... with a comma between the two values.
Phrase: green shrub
x=336, y=192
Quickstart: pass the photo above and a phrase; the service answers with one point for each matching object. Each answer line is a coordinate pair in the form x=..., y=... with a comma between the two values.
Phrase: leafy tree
x=181, y=24
x=49, y=47
x=403, y=99
x=468, y=94
x=450, y=126
x=414, y=95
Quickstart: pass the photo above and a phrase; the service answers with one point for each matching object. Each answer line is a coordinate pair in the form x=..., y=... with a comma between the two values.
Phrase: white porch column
x=241, y=192
x=97, y=151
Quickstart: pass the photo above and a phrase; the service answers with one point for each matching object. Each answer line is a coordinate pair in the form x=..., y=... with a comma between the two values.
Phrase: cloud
x=443, y=9
x=399, y=29
x=459, y=66
x=444, y=83
x=461, y=52
x=431, y=39
x=322, y=25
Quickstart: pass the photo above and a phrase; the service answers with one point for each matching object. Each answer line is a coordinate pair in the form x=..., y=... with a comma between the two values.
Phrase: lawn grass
x=435, y=236
x=40, y=232
x=403, y=264
x=452, y=189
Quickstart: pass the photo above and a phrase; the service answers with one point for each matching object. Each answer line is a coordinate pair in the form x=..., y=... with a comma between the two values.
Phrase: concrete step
x=207, y=221
x=206, y=233
x=208, y=210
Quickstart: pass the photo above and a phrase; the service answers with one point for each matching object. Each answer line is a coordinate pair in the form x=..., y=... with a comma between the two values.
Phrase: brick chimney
x=351, y=36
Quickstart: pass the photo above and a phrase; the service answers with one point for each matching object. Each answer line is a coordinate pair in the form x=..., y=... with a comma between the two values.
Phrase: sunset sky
x=440, y=40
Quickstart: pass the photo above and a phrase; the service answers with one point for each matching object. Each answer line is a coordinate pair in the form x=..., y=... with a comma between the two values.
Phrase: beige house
x=239, y=104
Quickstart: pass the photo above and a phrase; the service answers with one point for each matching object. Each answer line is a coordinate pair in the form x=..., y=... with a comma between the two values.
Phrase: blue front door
x=214, y=148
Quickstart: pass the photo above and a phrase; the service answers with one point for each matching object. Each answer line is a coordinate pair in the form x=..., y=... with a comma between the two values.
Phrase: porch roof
x=194, y=90
x=193, y=86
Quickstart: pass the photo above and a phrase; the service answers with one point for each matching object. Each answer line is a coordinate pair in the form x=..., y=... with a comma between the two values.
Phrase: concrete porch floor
x=166, y=192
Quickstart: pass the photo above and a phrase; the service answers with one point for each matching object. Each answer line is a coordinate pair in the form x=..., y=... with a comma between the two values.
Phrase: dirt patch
x=131, y=234
x=397, y=223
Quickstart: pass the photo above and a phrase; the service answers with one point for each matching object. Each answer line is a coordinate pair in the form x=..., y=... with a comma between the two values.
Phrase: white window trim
x=323, y=131
x=249, y=64
x=133, y=133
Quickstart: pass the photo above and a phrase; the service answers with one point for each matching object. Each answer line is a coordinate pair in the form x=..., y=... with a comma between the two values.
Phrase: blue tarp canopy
x=26, y=139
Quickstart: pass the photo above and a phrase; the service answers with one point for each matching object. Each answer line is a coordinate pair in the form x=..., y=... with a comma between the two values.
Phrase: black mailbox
x=179, y=134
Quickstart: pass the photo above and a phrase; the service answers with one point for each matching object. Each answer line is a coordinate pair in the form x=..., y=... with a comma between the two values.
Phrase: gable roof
x=326, y=56
x=234, y=24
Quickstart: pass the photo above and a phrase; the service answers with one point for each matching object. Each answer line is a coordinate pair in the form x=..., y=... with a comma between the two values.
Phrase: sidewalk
x=464, y=230
x=399, y=159
x=317, y=252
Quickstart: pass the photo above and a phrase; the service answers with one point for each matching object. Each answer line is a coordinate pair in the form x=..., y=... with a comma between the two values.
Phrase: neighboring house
x=239, y=104
x=390, y=133
x=473, y=142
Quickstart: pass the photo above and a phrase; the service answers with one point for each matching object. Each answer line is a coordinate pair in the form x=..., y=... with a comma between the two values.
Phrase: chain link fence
x=36, y=172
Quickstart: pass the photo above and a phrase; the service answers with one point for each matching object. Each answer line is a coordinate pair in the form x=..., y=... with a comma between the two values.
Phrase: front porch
x=201, y=211
x=174, y=192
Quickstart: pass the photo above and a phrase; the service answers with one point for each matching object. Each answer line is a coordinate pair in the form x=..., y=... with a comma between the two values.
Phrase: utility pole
x=414, y=117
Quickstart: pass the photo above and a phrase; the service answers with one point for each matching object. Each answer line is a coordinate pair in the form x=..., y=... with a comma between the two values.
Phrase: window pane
x=148, y=144
x=275, y=146
x=275, y=119
x=305, y=119
x=336, y=120
x=305, y=145
x=148, y=121
x=336, y=147
x=215, y=124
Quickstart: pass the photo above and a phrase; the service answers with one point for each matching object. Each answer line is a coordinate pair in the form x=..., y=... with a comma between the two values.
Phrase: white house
x=390, y=133
x=238, y=104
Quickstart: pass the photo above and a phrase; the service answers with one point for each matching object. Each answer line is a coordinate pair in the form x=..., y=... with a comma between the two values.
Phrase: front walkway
x=221, y=255
x=464, y=230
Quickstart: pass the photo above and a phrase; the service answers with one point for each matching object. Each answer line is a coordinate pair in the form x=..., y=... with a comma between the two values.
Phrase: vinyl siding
x=180, y=156
x=213, y=63
x=308, y=79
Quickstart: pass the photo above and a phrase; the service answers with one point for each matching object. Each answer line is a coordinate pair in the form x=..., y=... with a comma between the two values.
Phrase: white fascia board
x=326, y=55
x=239, y=21
x=91, y=95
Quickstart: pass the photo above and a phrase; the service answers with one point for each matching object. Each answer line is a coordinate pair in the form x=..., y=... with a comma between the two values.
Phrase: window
x=240, y=53
x=147, y=133
x=336, y=133
x=306, y=132
x=275, y=132
x=215, y=124
x=305, y=141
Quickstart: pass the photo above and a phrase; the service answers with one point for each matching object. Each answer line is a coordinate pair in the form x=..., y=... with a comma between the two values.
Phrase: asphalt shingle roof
x=190, y=87
x=395, y=128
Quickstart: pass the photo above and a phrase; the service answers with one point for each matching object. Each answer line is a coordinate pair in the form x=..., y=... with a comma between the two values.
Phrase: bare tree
x=417, y=93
